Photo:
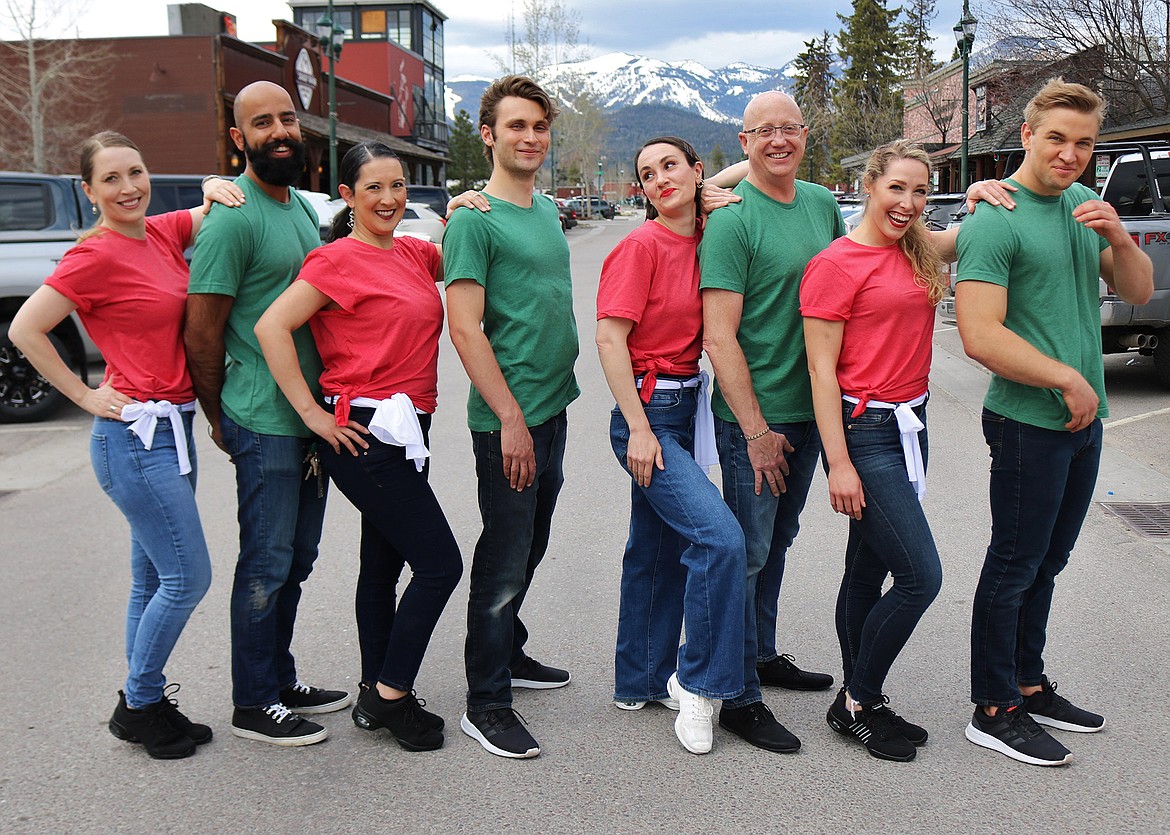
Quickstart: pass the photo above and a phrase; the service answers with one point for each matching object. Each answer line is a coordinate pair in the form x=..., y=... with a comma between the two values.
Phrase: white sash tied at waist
x=395, y=422
x=908, y=426
x=143, y=419
x=706, y=454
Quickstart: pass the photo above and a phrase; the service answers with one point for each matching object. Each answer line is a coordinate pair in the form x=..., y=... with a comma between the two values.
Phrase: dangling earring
x=93, y=207
x=349, y=222
x=699, y=186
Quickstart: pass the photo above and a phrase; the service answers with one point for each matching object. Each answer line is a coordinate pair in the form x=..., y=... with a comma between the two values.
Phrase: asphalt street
x=64, y=578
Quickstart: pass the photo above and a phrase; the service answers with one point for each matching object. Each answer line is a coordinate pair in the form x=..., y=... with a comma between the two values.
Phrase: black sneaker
x=433, y=720
x=782, y=672
x=276, y=724
x=1014, y=733
x=403, y=718
x=151, y=728
x=529, y=672
x=199, y=734
x=915, y=734
x=306, y=700
x=875, y=726
x=501, y=732
x=756, y=725
x=1049, y=708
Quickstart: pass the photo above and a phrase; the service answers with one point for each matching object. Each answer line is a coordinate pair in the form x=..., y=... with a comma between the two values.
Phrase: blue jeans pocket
x=99, y=456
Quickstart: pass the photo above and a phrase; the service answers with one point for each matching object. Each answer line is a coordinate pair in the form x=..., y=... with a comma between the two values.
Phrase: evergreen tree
x=716, y=160
x=917, y=44
x=868, y=102
x=467, y=165
x=814, y=93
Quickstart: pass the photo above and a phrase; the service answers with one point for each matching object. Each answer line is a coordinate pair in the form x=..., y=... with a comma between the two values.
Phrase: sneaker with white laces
x=635, y=704
x=1049, y=708
x=1014, y=733
x=693, y=725
x=276, y=725
x=307, y=700
x=874, y=725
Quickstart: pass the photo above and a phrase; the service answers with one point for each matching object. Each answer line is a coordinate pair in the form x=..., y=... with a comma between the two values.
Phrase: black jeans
x=402, y=523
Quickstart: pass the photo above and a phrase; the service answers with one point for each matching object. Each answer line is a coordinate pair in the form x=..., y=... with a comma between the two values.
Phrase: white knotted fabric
x=908, y=427
x=395, y=422
x=144, y=417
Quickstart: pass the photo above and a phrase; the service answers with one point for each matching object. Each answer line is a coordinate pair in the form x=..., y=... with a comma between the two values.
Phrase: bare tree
x=580, y=135
x=1131, y=35
x=49, y=89
x=547, y=38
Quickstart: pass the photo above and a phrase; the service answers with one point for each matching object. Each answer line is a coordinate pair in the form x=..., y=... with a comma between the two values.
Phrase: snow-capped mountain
x=619, y=80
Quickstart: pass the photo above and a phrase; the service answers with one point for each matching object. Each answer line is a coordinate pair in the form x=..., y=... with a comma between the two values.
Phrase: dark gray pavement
x=63, y=581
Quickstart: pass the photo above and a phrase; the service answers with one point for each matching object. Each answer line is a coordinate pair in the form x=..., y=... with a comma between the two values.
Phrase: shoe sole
x=282, y=741
x=369, y=723
x=977, y=736
x=668, y=703
x=329, y=707
x=533, y=684
x=1066, y=726
x=124, y=735
x=469, y=728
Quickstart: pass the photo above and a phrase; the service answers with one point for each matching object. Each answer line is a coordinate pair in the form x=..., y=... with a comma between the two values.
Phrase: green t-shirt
x=252, y=254
x=759, y=248
x=1050, y=265
x=521, y=259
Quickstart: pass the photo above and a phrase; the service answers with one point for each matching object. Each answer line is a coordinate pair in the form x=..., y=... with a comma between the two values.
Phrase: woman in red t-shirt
x=376, y=315
x=127, y=280
x=685, y=558
x=868, y=302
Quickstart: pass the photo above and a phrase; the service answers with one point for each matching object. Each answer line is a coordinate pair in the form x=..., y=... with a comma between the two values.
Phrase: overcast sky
x=713, y=33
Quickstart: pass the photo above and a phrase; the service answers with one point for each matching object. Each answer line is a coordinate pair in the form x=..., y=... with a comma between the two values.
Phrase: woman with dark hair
x=868, y=305
x=685, y=559
x=127, y=280
x=371, y=302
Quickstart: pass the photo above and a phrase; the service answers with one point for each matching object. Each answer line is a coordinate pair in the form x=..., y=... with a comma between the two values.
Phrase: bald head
x=259, y=92
x=773, y=156
x=771, y=101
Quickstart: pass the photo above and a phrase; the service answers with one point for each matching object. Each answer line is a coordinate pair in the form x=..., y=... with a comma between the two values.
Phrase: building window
x=345, y=21
x=432, y=37
x=400, y=28
x=373, y=24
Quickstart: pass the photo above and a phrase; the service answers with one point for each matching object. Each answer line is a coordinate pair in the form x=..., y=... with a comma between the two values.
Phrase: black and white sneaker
x=500, y=732
x=307, y=700
x=530, y=673
x=1050, y=708
x=276, y=725
x=875, y=726
x=1014, y=733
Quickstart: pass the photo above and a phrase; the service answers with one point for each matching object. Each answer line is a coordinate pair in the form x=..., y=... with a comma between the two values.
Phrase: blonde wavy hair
x=916, y=244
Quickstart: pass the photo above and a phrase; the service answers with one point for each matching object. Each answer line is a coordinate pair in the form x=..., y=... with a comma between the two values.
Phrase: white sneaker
x=668, y=703
x=693, y=724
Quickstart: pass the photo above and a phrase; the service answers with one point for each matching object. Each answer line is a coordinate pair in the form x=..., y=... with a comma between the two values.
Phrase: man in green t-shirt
x=752, y=259
x=244, y=258
x=1027, y=305
x=510, y=313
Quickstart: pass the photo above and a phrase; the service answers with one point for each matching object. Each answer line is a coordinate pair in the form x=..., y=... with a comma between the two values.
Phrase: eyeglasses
x=766, y=131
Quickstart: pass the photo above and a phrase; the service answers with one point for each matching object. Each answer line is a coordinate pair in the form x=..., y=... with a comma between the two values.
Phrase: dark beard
x=277, y=172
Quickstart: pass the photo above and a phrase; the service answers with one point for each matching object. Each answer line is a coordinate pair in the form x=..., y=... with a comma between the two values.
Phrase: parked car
x=418, y=220
x=593, y=207
x=435, y=198
x=568, y=214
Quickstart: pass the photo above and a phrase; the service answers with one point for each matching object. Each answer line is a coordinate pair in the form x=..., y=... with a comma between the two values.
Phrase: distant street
x=64, y=579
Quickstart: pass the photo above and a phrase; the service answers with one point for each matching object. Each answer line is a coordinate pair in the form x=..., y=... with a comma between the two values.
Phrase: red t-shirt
x=131, y=295
x=384, y=339
x=652, y=278
x=889, y=322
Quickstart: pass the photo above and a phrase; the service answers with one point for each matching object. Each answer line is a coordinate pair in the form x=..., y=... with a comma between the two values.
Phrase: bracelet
x=758, y=435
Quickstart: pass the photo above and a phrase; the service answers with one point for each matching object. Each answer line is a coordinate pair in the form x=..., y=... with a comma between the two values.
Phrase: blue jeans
x=685, y=557
x=402, y=524
x=516, y=528
x=769, y=527
x=280, y=515
x=170, y=569
x=891, y=538
x=1041, y=485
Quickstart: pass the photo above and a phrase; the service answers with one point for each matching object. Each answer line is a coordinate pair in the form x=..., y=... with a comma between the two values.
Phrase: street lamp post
x=965, y=37
x=331, y=36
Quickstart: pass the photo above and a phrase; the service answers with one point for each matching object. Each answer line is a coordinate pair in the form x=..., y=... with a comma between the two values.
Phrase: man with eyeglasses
x=752, y=258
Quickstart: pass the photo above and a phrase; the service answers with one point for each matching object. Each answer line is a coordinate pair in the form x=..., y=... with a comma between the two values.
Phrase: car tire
x=26, y=396
x=1162, y=358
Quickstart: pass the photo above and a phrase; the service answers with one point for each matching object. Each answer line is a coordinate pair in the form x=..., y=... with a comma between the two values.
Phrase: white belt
x=395, y=422
x=908, y=426
x=143, y=419
x=706, y=453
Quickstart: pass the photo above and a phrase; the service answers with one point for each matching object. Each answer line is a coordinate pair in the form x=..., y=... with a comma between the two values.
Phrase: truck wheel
x=24, y=394
x=1162, y=358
